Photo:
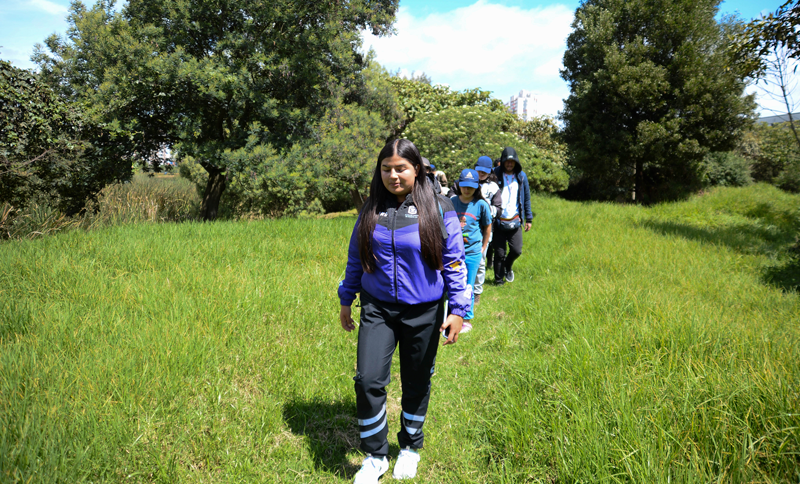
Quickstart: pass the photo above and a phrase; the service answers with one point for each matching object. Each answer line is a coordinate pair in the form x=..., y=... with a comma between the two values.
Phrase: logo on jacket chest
x=412, y=212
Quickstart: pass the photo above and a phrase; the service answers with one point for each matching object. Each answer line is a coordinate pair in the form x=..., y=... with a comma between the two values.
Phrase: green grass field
x=636, y=345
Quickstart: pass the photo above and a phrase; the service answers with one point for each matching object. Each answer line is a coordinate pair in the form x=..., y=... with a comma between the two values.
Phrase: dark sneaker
x=510, y=276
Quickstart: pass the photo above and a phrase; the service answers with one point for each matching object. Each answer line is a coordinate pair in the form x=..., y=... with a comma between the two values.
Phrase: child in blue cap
x=476, y=228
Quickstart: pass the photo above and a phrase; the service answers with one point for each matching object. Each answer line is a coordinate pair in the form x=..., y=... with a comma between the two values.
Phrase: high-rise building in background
x=523, y=105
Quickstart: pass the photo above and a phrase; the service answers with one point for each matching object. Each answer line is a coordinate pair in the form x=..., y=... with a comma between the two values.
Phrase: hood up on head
x=510, y=153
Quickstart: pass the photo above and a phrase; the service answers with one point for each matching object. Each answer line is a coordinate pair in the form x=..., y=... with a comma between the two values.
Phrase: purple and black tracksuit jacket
x=402, y=276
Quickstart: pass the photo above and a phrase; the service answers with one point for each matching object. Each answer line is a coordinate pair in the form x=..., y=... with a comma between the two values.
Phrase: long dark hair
x=430, y=235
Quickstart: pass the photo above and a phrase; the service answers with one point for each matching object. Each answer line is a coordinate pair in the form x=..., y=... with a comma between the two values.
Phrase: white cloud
x=499, y=48
x=551, y=102
x=49, y=7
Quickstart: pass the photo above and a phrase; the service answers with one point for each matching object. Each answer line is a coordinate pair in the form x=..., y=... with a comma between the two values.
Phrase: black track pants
x=503, y=261
x=383, y=326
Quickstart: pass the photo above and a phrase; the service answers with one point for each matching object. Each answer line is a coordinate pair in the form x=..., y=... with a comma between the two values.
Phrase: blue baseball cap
x=433, y=167
x=484, y=164
x=469, y=178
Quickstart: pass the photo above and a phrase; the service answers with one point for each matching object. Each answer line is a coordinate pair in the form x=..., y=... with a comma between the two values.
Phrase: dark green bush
x=789, y=178
x=772, y=150
x=726, y=169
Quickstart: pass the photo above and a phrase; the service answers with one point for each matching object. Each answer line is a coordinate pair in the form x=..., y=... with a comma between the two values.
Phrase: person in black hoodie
x=515, y=194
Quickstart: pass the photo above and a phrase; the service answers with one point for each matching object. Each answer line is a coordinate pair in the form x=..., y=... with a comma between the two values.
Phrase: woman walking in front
x=406, y=256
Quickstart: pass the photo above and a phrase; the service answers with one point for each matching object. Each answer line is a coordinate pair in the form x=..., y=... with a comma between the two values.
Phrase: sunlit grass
x=640, y=345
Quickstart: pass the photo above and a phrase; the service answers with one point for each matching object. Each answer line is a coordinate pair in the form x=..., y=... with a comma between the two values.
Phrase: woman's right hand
x=453, y=326
x=346, y=318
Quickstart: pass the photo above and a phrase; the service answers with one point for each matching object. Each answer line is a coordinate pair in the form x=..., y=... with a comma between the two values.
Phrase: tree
x=454, y=137
x=544, y=133
x=756, y=42
x=651, y=92
x=769, y=49
x=454, y=128
x=329, y=170
x=418, y=96
x=49, y=151
x=779, y=79
x=213, y=77
x=773, y=155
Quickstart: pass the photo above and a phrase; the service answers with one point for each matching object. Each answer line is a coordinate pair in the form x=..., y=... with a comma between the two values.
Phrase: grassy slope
x=635, y=344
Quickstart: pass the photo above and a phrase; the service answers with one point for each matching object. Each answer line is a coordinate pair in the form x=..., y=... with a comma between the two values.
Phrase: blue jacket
x=524, y=192
x=401, y=274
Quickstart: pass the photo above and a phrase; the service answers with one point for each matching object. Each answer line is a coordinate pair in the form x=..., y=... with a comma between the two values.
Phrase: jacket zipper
x=394, y=255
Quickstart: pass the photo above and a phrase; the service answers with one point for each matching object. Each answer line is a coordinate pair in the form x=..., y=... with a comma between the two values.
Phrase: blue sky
x=746, y=9
x=498, y=45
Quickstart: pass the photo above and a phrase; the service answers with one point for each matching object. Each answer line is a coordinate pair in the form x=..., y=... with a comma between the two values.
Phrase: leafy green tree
x=769, y=50
x=773, y=155
x=753, y=44
x=454, y=137
x=330, y=171
x=211, y=78
x=416, y=97
x=344, y=155
x=50, y=152
x=544, y=133
x=651, y=93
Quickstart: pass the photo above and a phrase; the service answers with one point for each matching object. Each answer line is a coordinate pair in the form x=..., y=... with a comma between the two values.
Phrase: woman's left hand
x=453, y=323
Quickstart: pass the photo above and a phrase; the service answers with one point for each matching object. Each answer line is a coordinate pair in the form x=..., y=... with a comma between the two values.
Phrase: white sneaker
x=371, y=470
x=406, y=465
x=466, y=327
x=510, y=276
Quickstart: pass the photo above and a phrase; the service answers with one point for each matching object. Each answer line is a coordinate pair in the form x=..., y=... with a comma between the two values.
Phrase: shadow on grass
x=785, y=276
x=330, y=429
x=764, y=239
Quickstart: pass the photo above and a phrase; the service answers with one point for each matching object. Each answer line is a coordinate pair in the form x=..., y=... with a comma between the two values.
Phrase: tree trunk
x=358, y=200
x=214, y=188
x=638, y=184
x=791, y=125
x=782, y=64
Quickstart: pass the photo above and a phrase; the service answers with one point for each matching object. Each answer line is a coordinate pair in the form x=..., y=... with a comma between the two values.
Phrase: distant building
x=781, y=118
x=523, y=105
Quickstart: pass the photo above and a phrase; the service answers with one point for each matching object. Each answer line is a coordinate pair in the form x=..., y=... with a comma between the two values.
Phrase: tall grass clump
x=635, y=345
x=144, y=199
x=35, y=220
